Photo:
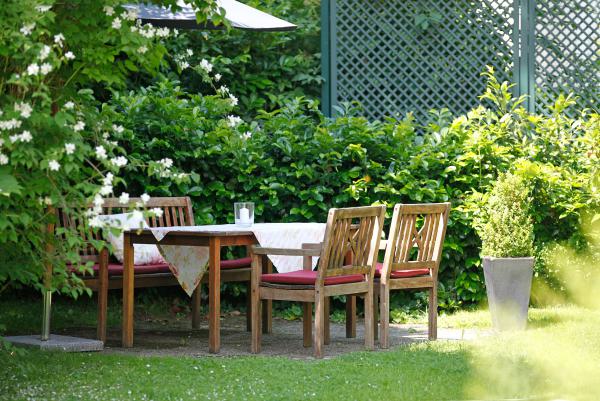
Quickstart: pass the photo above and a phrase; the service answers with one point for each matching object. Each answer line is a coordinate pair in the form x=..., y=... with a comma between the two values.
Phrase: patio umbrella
x=238, y=14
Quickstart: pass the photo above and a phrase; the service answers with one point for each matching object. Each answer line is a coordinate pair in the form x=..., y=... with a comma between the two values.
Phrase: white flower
x=100, y=152
x=69, y=105
x=10, y=124
x=137, y=215
x=217, y=77
x=106, y=190
x=108, y=179
x=166, y=162
x=33, y=69
x=3, y=159
x=95, y=221
x=142, y=49
x=247, y=135
x=189, y=52
x=133, y=29
x=233, y=121
x=14, y=138
x=116, y=24
x=69, y=148
x=26, y=136
x=206, y=65
x=145, y=198
x=69, y=55
x=162, y=32
x=53, y=165
x=24, y=108
x=223, y=90
x=26, y=29
x=158, y=212
x=105, y=135
x=45, y=68
x=1, y=142
x=119, y=161
x=233, y=100
x=183, y=65
x=109, y=10
x=118, y=128
x=47, y=201
x=98, y=200
x=124, y=198
x=58, y=39
x=79, y=126
x=45, y=52
x=43, y=8
x=130, y=14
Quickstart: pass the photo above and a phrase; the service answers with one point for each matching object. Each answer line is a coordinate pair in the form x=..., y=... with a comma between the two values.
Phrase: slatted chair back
x=416, y=237
x=351, y=242
x=176, y=212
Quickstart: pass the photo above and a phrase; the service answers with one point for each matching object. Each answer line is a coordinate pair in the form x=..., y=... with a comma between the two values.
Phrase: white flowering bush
x=58, y=143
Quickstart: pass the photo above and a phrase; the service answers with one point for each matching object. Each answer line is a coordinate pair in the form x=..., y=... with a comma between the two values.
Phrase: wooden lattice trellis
x=567, y=49
x=396, y=56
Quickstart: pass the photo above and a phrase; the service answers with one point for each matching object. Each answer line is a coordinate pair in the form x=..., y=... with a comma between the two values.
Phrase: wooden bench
x=107, y=275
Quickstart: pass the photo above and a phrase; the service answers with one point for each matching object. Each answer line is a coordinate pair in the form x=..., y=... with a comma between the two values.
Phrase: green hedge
x=295, y=164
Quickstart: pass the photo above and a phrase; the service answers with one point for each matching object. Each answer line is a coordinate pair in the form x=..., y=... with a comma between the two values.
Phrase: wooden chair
x=412, y=259
x=108, y=274
x=333, y=277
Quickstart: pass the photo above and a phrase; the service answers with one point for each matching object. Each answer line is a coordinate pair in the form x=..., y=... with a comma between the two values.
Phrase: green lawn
x=557, y=358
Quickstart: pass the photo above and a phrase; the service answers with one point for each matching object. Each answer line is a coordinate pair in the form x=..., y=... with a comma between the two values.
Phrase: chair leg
x=350, y=316
x=196, y=305
x=319, y=331
x=307, y=324
x=102, y=296
x=433, y=312
x=375, y=311
x=384, y=316
x=267, y=311
x=255, y=306
x=249, y=306
x=369, y=334
x=326, y=325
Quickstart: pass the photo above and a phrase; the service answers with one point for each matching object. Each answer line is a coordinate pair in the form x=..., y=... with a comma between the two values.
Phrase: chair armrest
x=258, y=250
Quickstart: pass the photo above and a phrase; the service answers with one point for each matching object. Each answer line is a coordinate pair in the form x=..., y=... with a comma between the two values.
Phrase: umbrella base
x=57, y=343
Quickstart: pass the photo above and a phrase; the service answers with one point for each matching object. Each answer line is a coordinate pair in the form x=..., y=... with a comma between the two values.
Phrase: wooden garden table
x=214, y=240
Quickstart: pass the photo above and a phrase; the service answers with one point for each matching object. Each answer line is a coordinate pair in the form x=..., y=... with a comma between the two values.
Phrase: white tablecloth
x=189, y=263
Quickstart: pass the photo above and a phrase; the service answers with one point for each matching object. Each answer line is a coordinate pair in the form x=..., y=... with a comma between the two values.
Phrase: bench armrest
x=258, y=250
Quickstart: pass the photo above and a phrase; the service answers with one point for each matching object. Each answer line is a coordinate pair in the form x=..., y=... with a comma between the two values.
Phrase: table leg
x=128, y=288
x=214, y=295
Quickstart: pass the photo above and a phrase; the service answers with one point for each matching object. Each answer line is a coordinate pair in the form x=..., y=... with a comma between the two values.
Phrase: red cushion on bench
x=402, y=273
x=309, y=277
x=236, y=263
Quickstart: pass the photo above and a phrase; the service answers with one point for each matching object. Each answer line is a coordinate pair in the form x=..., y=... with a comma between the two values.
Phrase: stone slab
x=57, y=343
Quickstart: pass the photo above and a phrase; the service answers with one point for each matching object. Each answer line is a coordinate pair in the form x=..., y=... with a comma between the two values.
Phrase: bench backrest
x=177, y=211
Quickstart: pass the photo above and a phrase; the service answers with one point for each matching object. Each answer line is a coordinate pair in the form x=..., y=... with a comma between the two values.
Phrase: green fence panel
x=399, y=56
x=567, y=49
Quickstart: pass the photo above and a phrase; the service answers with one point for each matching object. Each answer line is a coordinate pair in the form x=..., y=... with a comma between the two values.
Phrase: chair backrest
x=177, y=211
x=351, y=242
x=416, y=237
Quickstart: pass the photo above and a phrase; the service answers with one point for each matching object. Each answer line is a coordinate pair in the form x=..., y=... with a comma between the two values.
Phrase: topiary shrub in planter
x=506, y=231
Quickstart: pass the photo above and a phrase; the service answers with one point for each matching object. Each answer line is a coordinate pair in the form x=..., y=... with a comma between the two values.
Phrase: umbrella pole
x=47, y=292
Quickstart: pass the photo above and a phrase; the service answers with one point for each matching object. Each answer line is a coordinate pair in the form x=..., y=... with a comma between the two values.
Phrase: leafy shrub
x=504, y=225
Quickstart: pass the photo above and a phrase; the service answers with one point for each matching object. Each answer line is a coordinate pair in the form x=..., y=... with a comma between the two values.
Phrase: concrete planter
x=508, y=285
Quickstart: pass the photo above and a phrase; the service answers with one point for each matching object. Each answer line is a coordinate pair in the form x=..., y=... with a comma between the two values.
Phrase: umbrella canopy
x=238, y=14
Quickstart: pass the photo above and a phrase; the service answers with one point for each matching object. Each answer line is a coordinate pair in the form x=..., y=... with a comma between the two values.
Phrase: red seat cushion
x=236, y=263
x=309, y=277
x=402, y=273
